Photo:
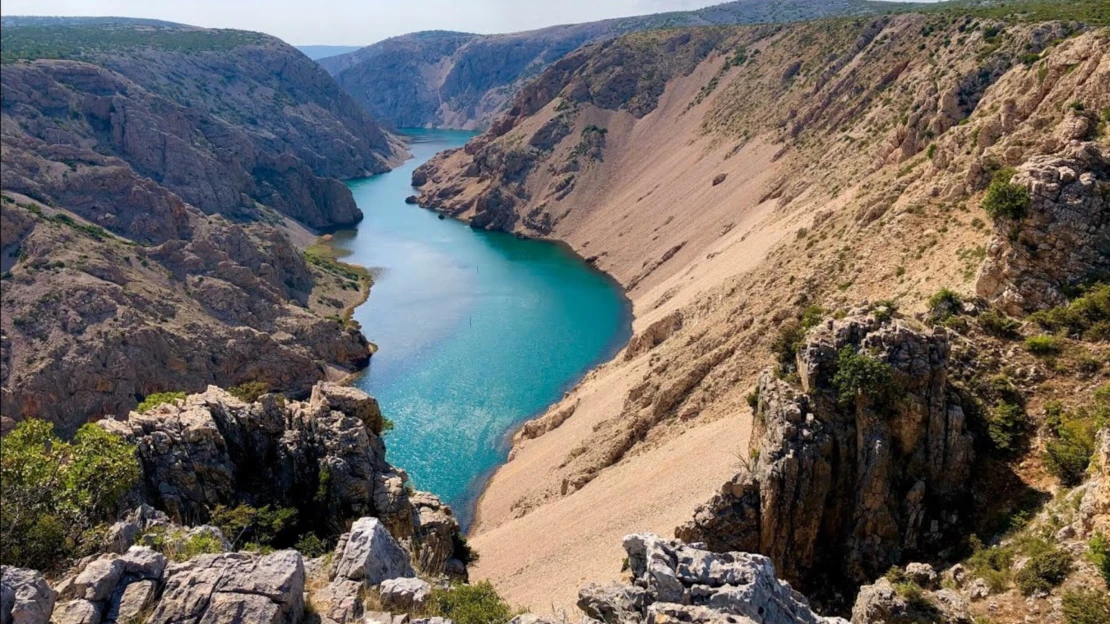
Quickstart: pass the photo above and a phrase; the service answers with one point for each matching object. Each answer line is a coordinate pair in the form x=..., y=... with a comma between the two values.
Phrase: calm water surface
x=477, y=331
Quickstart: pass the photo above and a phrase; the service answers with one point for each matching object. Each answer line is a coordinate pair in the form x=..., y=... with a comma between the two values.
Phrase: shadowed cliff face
x=462, y=80
x=148, y=174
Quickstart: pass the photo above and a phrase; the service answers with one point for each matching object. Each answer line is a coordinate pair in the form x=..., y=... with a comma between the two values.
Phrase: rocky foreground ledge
x=369, y=579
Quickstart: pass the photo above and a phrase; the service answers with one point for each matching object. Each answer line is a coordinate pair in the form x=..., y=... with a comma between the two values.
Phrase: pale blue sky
x=348, y=22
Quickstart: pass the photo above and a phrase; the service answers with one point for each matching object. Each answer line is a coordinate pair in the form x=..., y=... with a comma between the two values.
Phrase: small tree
x=53, y=491
x=1005, y=199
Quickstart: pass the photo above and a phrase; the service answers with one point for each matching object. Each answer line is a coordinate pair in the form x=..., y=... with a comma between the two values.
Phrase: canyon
x=866, y=257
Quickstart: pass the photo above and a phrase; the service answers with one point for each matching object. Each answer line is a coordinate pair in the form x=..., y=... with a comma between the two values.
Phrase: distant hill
x=156, y=167
x=452, y=79
x=317, y=52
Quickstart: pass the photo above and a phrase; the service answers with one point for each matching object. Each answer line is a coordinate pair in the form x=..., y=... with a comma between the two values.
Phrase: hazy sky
x=351, y=22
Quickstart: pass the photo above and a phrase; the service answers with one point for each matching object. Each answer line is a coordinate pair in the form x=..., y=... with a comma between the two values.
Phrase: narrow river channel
x=477, y=331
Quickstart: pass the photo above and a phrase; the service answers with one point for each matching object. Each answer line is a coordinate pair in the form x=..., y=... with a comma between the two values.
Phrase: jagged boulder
x=882, y=603
x=25, y=597
x=112, y=587
x=369, y=554
x=1063, y=239
x=677, y=582
x=404, y=594
x=844, y=486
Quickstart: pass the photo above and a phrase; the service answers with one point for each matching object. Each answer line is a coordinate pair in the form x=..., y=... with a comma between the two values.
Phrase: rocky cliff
x=322, y=459
x=462, y=80
x=734, y=179
x=863, y=464
x=151, y=174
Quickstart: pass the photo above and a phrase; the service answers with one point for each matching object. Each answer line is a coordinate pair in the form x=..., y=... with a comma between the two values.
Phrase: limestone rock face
x=848, y=488
x=234, y=587
x=112, y=587
x=25, y=597
x=676, y=582
x=274, y=452
x=1062, y=240
x=404, y=594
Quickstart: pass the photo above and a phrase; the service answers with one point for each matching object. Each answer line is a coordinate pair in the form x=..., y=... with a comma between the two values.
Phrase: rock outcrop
x=323, y=457
x=677, y=582
x=848, y=481
x=1063, y=240
x=25, y=596
x=880, y=603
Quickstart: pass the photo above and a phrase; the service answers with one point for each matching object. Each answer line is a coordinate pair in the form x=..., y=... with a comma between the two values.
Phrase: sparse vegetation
x=791, y=336
x=1098, y=551
x=944, y=305
x=254, y=529
x=249, y=392
x=1006, y=423
x=997, y=324
x=1071, y=444
x=152, y=401
x=470, y=604
x=53, y=492
x=1086, y=606
x=1005, y=199
x=1043, y=344
x=1086, y=317
x=80, y=41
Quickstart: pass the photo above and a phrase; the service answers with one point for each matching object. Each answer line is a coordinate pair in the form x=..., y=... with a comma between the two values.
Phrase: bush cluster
x=255, y=528
x=152, y=401
x=1005, y=199
x=470, y=604
x=859, y=374
x=1072, y=434
x=1086, y=317
x=944, y=305
x=791, y=336
x=54, y=492
x=1047, y=567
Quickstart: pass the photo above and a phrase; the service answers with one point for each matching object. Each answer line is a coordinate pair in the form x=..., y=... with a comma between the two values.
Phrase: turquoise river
x=477, y=331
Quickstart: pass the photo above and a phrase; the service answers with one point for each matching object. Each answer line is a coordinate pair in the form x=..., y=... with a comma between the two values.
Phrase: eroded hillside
x=733, y=178
x=463, y=80
x=152, y=176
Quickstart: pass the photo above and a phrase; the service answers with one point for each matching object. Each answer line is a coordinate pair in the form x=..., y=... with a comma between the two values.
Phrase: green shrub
x=1068, y=453
x=250, y=391
x=1098, y=551
x=1087, y=316
x=1043, y=344
x=311, y=546
x=860, y=374
x=245, y=525
x=993, y=565
x=1086, y=606
x=944, y=305
x=998, y=324
x=176, y=546
x=52, y=491
x=158, y=398
x=469, y=604
x=792, y=335
x=1044, y=570
x=1005, y=425
x=1004, y=199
